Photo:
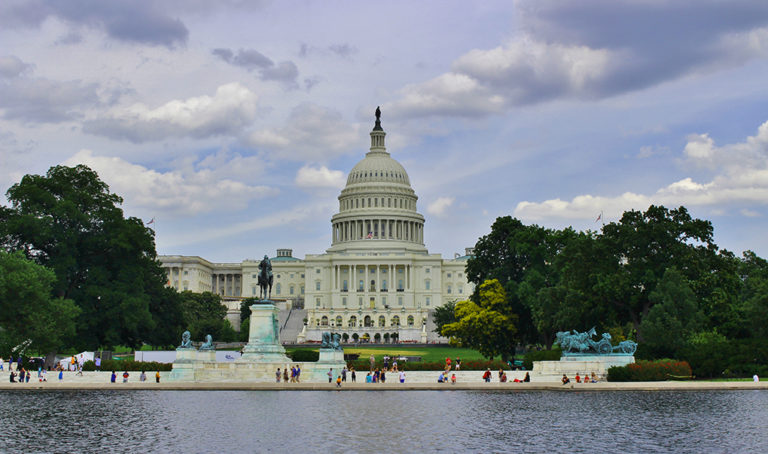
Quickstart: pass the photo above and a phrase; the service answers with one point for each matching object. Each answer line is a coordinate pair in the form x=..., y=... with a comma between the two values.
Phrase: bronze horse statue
x=265, y=278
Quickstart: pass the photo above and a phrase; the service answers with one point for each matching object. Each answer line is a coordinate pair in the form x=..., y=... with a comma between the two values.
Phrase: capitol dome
x=377, y=207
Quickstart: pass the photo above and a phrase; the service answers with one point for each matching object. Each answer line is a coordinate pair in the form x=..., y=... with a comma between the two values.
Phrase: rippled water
x=383, y=421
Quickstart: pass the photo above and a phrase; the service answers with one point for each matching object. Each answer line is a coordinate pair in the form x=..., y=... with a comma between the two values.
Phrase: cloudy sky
x=233, y=123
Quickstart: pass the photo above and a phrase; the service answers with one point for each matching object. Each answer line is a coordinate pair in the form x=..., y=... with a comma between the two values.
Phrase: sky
x=233, y=124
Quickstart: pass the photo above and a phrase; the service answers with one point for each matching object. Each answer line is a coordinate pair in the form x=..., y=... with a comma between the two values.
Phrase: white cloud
x=322, y=177
x=172, y=193
x=227, y=112
x=440, y=206
x=311, y=133
x=742, y=179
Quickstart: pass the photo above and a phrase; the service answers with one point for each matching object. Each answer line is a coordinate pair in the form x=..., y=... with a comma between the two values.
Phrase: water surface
x=383, y=421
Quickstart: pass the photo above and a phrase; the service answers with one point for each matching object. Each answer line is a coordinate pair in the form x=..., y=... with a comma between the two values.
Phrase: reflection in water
x=376, y=421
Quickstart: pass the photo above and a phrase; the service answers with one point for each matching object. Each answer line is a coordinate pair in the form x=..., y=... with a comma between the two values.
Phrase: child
x=338, y=381
x=453, y=379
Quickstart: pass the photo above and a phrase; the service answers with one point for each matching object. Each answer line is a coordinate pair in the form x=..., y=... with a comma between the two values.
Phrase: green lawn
x=428, y=354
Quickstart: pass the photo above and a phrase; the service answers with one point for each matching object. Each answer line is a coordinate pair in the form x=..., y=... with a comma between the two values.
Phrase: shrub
x=541, y=355
x=364, y=364
x=650, y=371
x=304, y=354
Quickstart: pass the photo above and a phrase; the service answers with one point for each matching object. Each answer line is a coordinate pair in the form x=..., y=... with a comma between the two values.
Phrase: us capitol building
x=376, y=283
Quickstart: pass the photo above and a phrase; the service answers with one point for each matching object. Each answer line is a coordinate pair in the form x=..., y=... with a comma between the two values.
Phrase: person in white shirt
x=755, y=378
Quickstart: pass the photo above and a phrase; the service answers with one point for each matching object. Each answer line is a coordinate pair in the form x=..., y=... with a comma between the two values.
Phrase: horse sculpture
x=265, y=278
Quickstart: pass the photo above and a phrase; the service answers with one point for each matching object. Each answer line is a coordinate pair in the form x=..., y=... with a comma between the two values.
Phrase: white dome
x=378, y=167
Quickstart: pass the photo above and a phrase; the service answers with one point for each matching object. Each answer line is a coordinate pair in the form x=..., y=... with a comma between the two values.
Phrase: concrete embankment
x=415, y=381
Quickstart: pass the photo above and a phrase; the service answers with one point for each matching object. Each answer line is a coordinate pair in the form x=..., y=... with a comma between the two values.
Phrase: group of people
x=142, y=377
x=579, y=379
x=503, y=377
x=294, y=376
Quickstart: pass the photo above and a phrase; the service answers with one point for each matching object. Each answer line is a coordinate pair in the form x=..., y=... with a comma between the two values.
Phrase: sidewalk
x=417, y=380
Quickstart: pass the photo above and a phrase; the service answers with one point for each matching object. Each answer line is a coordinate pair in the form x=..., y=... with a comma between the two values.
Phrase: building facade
x=377, y=282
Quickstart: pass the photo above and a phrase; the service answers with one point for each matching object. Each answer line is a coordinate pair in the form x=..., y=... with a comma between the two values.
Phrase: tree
x=753, y=271
x=488, y=325
x=642, y=245
x=28, y=312
x=204, y=314
x=245, y=308
x=69, y=222
x=673, y=318
x=444, y=315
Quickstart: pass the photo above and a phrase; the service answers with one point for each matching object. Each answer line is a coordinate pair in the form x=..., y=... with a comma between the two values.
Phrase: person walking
x=354, y=375
x=143, y=376
x=330, y=375
x=278, y=375
x=1, y=363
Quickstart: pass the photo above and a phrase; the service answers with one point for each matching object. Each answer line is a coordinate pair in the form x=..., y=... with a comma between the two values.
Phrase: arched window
x=410, y=320
x=396, y=321
x=352, y=322
x=373, y=285
x=277, y=289
x=324, y=321
x=367, y=321
x=382, y=321
x=292, y=289
x=338, y=320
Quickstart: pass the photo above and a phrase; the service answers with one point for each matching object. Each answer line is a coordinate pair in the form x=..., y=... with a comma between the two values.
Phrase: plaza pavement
x=415, y=380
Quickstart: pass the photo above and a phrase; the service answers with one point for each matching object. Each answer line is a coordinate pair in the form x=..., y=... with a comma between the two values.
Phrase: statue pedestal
x=570, y=365
x=206, y=355
x=263, y=337
x=329, y=355
x=184, y=364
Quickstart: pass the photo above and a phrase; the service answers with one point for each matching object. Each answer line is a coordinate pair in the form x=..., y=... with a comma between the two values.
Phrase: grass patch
x=428, y=354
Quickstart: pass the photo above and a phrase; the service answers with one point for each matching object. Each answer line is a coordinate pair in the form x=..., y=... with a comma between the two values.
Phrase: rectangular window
x=291, y=290
x=317, y=271
x=302, y=275
x=278, y=276
x=400, y=301
x=360, y=301
x=344, y=301
x=427, y=301
x=317, y=286
x=255, y=276
x=302, y=289
x=186, y=272
x=384, y=300
x=448, y=275
x=461, y=290
x=317, y=302
x=427, y=270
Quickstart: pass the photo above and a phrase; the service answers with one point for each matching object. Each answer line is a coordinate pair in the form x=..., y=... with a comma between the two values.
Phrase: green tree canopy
x=69, y=222
x=29, y=314
x=488, y=325
x=204, y=314
x=673, y=318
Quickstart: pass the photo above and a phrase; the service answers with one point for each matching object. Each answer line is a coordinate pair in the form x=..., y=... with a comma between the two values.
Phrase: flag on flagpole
x=151, y=221
x=370, y=235
x=599, y=216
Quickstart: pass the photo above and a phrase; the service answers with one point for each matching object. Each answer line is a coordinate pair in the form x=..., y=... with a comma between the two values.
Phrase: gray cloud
x=343, y=50
x=124, y=20
x=593, y=50
x=253, y=60
x=231, y=109
x=38, y=100
x=12, y=66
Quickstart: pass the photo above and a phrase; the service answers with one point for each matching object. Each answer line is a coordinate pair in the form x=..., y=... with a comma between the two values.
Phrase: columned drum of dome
x=377, y=208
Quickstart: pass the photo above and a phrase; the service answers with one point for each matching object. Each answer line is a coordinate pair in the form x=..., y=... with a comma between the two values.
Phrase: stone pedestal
x=329, y=355
x=264, y=338
x=184, y=364
x=582, y=364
